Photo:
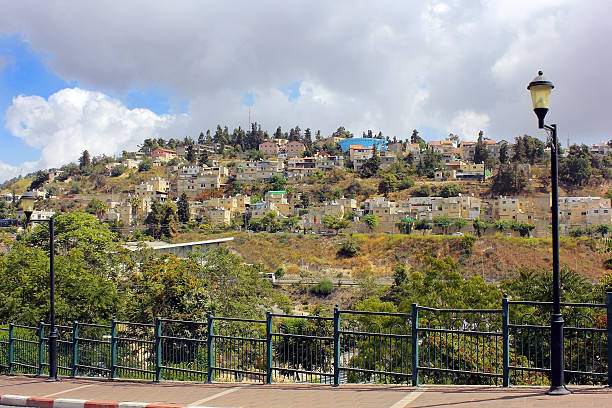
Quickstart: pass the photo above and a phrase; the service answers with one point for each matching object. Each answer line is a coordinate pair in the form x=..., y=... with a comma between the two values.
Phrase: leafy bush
x=349, y=248
x=323, y=288
x=118, y=170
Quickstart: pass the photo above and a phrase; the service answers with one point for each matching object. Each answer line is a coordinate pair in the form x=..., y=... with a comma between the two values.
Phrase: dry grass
x=495, y=256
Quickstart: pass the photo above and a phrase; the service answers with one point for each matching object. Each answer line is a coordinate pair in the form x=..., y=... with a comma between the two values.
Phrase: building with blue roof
x=363, y=141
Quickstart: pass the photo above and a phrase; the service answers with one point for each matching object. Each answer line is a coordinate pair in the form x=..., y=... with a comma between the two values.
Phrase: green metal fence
x=502, y=346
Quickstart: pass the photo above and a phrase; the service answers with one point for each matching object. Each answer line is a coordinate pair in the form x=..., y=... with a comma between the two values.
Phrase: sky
x=104, y=75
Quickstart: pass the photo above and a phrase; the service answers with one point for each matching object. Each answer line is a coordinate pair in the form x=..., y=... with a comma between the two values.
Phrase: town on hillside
x=292, y=181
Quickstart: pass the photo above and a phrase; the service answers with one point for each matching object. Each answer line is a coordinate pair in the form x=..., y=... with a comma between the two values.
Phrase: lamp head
x=540, y=89
x=27, y=203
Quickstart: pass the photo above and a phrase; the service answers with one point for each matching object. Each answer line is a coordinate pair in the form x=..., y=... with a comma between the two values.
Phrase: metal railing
x=502, y=346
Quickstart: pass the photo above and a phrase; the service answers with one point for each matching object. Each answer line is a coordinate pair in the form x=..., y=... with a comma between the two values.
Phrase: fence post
x=11, y=349
x=158, y=349
x=268, y=348
x=609, y=324
x=506, y=342
x=75, y=348
x=113, y=346
x=415, y=345
x=210, y=345
x=336, y=346
x=41, y=348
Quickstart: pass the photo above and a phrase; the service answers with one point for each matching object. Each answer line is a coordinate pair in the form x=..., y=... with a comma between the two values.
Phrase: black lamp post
x=540, y=94
x=27, y=205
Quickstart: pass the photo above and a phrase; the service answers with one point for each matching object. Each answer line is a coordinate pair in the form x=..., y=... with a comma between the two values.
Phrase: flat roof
x=135, y=246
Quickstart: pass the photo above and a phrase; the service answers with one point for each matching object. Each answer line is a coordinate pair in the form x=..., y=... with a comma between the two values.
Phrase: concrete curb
x=40, y=402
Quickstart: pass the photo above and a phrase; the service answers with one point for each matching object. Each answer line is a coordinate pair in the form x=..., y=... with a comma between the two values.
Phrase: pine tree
x=183, y=208
x=481, y=154
x=85, y=160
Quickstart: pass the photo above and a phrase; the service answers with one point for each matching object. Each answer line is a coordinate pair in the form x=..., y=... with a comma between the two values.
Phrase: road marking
x=65, y=391
x=212, y=397
x=407, y=399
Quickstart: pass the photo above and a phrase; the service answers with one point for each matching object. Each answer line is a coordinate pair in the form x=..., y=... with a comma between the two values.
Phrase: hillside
x=496, y=257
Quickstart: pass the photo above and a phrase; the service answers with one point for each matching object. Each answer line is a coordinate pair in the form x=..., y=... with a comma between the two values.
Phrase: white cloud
x=73, y=120
x=467, y=124
x=390, y=66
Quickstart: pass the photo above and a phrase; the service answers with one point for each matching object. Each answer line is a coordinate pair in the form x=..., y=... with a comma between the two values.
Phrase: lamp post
x=540, y=89
x=27, y=205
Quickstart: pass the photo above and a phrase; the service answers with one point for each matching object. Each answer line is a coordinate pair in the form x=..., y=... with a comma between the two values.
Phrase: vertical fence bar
x=415, y=345
x=336, y=346
x=11, y=349
x=268, y=348
x=609, y=324
x=210, y=345
x=113, y=347
x=506, y=342
x=41, y=348
x=75, y=348
x=158, y=349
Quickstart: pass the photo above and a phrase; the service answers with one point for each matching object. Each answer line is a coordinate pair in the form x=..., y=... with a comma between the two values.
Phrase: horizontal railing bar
x=99, y=326
x=578, y=329
x=140, y=370
x=364, y=370
x=220, y=336
x=58, y=326
x=547, y=370
x=183, y=339
x=25, y=327
x=183, y=321
x=135, y=324
x=184, y=370
x=17, y=363
x=135, y=340
x=531, y=303
x=363, y=312
x=431, y=309
x=406, y=336
x=83, y=339
x=429, y=329
x=236, y=370
x=301, y=317
x=450, y=370
x=295, y=370
x=93, y=367
x=237, y=319
x=303, y=336
x=16, y=339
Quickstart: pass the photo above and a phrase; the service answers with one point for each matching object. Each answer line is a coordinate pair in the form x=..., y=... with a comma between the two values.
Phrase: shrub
x=323, y=288
x=349, y=248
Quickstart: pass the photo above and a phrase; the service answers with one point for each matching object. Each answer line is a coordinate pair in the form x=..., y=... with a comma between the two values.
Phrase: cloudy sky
x=104, y=75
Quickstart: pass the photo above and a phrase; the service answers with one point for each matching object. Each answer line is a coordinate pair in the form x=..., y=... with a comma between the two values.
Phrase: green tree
x=388, y=184
x=118, y=170
x=40, y=178
x=481, y=154
x=336, y=223
x=509, y=179
x=146, y=164
x=449, y=190
x=371, y=220
x=96, y=207
x=276, y=183
x=503, y=153
x=405, y=226
x=424, y=190
x=84, y=160
x=480, y=227
x=183, y=208
x=371, y=166
x=575, y=169
x=442, y=222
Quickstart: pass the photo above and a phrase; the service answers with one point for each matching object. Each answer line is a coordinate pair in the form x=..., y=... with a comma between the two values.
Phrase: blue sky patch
x=249, y=98
x=292, y=92
x=23, y=72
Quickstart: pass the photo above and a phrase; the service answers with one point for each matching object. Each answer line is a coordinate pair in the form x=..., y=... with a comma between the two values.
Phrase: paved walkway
x=301, y=395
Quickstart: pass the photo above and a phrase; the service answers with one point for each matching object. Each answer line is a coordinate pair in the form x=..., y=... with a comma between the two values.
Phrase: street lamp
x=27, y=205
x=540, y=89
